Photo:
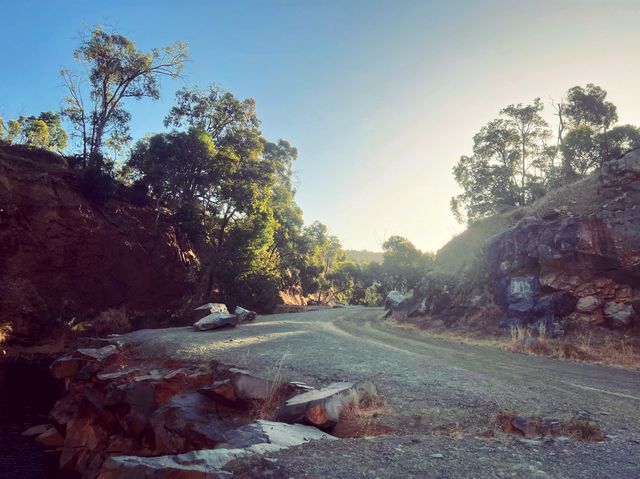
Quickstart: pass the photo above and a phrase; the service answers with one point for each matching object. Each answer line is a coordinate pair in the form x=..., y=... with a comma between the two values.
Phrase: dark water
x=27, y=394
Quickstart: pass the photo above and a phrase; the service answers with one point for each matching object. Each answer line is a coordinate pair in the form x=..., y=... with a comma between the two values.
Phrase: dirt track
x=443, y=399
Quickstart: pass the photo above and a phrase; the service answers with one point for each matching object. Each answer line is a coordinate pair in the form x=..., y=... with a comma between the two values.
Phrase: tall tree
x=404, y=265
x=532, y=132
x=213, y=110
x=590, y=118
x=117, y=70
x=43, y=131
x=509, y=164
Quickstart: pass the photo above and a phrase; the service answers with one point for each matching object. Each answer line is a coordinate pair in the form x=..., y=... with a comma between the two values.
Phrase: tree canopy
x=44, y=131
x=115, y=71
x=514, y=161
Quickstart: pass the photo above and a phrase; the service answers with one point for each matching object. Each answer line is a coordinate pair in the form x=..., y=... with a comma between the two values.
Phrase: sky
x=381, y=98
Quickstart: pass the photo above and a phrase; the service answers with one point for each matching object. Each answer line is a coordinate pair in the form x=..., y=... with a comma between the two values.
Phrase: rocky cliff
x=564, y=267
x=571, y=260
x=65, y=259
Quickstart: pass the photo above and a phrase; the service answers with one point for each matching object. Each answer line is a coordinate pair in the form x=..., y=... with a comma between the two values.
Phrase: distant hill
x=364, y=256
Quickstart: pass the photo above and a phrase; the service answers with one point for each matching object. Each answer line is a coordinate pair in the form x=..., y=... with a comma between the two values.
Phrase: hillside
x=65, y=259
x=565, y=266
x=364, y=256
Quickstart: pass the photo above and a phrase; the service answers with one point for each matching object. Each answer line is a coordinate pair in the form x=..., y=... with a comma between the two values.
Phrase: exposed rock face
x=322, y=407
x=255, y=438
x=63, y=257
x=551, y=270
x=393, y=299
x=127, y=415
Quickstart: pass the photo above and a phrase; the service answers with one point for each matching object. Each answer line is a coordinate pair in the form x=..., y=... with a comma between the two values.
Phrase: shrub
x=110, y=321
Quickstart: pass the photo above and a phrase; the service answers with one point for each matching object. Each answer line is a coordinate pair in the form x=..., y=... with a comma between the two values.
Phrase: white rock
x=258, y=437
x=215, y=321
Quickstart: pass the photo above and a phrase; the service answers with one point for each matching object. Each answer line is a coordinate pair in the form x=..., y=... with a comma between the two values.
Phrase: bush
x=109, y=321
x=97, y=186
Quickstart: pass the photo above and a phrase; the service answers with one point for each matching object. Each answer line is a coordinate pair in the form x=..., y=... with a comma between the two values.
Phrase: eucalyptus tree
x=114, y=70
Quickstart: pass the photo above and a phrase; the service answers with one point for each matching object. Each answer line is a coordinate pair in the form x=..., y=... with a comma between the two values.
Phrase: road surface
x=443, y=398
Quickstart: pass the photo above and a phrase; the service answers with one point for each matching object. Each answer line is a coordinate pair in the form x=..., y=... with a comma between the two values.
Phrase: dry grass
x=363, y=418
x=578, y=429
x=5, y=332
x=109, y=321
x=276, y=393
x=602, y=346
x=451, y=430
x=583, y=430
x=607, y=347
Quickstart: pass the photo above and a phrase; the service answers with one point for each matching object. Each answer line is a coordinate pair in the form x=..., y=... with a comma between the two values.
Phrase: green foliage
x=177, y=166
x=116, y=71
x=587, y=106
x=231, y=191
x=363, y=256
x=44, y=131
x=98, y=182
x=513, y=163
x=214, y=110
x=403, y=265
x=508, y=166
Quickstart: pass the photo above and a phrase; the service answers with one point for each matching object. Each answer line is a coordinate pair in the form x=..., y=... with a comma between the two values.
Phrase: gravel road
x=443, y=398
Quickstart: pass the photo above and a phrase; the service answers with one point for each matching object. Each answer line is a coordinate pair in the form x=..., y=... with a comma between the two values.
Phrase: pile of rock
x=215, y=315
x=127, y=416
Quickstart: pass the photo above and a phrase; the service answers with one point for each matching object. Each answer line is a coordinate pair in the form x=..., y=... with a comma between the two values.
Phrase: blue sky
x=380, y=97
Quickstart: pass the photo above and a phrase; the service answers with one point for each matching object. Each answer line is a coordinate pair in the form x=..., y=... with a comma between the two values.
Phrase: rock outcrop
x=574, y=261
x=129, y=414
x=258, y=437
x=393, y=299
x=65, y=258
x=560, y=268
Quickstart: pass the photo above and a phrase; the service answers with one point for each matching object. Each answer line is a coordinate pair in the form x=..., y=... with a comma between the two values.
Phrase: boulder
x=204, y=464
x=51, y=438
x=619, y=315
x=322, y=407
x=271, y=432
x=207, y=309
x=588, y=255
x=244, y=314
x=216, y=321
x=65, y=367
x=589, y=304
x=98, y=354
x=394, y=298
x=237, y=387
x=188, y=422
x=35, y=431
x=258, y=437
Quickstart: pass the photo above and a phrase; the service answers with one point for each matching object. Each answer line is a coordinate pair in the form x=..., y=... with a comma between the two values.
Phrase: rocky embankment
x=574, y=264
x=126, y=414
x=66, y=259
x=563, y=269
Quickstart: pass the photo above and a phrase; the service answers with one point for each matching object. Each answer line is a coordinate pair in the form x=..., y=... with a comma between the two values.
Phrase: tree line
x=517, y=158
x=212, y=174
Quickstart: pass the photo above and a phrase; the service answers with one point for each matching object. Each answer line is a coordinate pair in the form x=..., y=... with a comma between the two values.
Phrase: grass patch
x=579, y=429
x=363, y=418
x=602, y=346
